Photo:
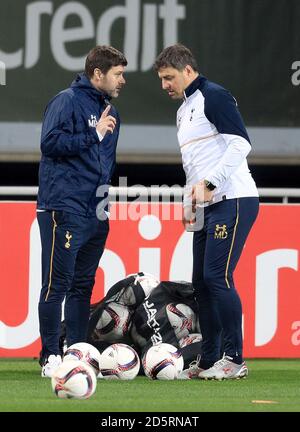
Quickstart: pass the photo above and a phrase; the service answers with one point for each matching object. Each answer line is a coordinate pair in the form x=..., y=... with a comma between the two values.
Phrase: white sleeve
x=236, y=152
x=187, y=196
x=99, y=136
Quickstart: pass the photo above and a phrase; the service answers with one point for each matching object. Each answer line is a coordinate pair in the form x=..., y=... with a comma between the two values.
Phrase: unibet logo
x=140, y=32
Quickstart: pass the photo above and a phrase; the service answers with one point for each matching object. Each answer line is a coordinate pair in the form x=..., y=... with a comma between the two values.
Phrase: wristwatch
x=209, y=185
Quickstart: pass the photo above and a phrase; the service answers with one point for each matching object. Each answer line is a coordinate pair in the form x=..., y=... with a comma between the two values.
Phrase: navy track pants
x=72, y=246
x=216, y=251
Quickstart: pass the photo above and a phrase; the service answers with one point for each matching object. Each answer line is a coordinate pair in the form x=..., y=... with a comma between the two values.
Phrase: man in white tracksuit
x=214, y=145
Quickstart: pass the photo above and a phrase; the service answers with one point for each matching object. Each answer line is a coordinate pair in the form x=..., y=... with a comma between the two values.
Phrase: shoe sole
x=243, y=375
x=223, y=379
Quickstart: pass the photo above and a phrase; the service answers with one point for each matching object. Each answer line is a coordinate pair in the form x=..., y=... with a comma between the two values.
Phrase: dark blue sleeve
x=58, y=137
x=117, y=132
x=221, y=109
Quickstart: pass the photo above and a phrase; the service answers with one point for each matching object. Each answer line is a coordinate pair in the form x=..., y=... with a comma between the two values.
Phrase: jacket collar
x=82, y=82
x=198, y=83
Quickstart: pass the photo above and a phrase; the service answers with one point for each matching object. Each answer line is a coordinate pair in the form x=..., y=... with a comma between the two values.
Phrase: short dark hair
x=103, y=57
x=177, y=56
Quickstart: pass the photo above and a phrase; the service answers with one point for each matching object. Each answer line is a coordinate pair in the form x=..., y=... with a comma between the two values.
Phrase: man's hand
x=188, y=216
x=106, y=122
x=200, y=194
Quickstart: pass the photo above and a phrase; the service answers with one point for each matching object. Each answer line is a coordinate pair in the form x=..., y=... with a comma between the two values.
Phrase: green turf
x=23, y=390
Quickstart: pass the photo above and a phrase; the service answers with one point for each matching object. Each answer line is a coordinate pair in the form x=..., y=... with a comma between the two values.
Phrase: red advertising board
x=147, y=237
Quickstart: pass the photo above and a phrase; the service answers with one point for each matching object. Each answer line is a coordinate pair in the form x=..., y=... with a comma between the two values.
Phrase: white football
x=119, y=361
x=182, y=318
x=128, y=296
x=74, y=379
x=84, y=352
x=189, y=339
x=113, y=323
x=163, y=362
x=147, y=281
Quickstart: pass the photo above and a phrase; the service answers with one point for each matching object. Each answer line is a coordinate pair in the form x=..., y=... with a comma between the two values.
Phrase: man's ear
x=189, y=70
x=97, y=73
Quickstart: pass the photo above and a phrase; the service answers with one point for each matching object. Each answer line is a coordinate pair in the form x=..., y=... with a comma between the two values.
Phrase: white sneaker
x=50, y=366
x=225, y=369
x=192, y=371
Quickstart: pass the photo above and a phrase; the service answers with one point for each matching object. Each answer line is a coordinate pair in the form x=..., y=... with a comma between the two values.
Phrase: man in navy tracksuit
x=214, y=145
x=78, y=144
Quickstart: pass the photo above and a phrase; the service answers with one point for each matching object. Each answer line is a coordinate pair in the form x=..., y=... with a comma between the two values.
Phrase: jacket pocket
x=59, y=217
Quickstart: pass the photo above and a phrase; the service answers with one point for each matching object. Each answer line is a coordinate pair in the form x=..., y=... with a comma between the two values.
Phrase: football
x=113, y=323
x=74, y=379
x=119, y=361
x=163, y=362
x=182, y=318
x=189, y=339
x=84, y=352
x=146, y=280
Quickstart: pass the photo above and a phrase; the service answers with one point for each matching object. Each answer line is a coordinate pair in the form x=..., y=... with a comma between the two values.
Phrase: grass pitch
x=272, y=386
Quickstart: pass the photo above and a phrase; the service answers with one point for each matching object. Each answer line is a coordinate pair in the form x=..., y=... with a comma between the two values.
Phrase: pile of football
x=83, y=364
x=76, y=377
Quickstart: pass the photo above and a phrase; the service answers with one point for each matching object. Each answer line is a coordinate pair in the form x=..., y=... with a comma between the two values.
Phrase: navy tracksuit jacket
x=74, y=164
